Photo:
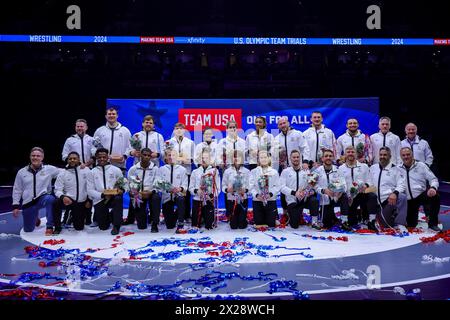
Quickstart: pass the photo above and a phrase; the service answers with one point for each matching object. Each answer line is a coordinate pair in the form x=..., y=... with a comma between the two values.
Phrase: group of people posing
x=377, y=181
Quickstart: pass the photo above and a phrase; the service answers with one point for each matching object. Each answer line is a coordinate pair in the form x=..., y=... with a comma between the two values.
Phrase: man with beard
x=385, y=138
x=356, y=172
x=390, y=183
x=355, y=138
x=293, y=184
x=418, y=178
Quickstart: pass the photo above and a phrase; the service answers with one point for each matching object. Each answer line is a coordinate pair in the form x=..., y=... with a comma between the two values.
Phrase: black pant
x=170, y=216
x=431, y=207
x=140, y=213
x=187, y=201
x=238, y=214
x=102, y=214
x=88, y=217
x=205, y=212
x=368, y=204
x=295, y=210
x=329, y=217
x=77, y=211
x=265, y=214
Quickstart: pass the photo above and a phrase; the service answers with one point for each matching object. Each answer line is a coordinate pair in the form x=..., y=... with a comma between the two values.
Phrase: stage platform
x=279, y=263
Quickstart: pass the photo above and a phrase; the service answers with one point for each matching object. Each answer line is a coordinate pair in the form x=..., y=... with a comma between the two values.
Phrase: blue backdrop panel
x=335, y=112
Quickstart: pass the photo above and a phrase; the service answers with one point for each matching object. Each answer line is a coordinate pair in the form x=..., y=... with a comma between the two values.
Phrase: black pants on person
x=140, y=213
x=104, y=217
x=431, y=206
x=187, y=201
x=171, y=216
x=202, y=212
x=265, y=214
x=238, y=214
x=368, y=204
x=295, y=210
x=76, y=210
x=329, y=217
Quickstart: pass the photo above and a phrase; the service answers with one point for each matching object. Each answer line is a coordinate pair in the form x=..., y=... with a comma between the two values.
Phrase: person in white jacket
x=390, y=183
x=418, y=176
x=287, y=141
x=264, y=186
x=319, y=138
x=385, y=138
x=258, y=140
x=355, y=172
x=32, y=189
x=355, y=138
x=294, y=185
x=146, y=171
x=115, y=138
x=71, y=193
x=102, y=177
x=329, y=198
x=420, y=148
x=227, y=146
x=150, y=139
x=174, y=174
x=184, y=148
x=208, y=142
x=81, y=143
x=235, y=184
x=205, y=186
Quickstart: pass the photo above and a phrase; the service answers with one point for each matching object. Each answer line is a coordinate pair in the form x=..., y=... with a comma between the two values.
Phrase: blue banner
x=215, y=113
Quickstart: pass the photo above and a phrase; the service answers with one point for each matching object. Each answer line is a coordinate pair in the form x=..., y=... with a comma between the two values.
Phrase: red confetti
x=444, y=235
x=54, y=242
x=213, y=253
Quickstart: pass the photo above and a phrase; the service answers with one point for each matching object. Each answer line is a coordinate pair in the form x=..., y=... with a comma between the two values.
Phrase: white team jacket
x=255, y=143
x=292, y=140
x=358, y=173
x=196, y=177
x=323, y=138
x=82, y=147
x=421, y=150
x=389, y=140
x=176, y=175
x=116, y=140
x=30, y=184
x=72, y=183
x=198, y=152
x=346, y=140
x=101, y=178
x=152, y=140
x=416, y=179
x=225, y=149
x=291, y=181
x=387, y=181
x=323, y=181
x=274, y=182
x=229, y=177
x=187, y=148
x=147, y=175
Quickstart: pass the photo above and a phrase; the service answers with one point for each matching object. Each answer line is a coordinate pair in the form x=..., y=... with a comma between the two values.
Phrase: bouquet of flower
x=206, y=185
x=263, y=186
x=162, y=185
x=337, y=186
x=356, y=188
x=122, y=184
x=135, y=143
x=283, y=157
x=238, y=184
x=135, y=185
x=311, y=180
x=97, y=143
x=363, y=150
x=168, y=145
